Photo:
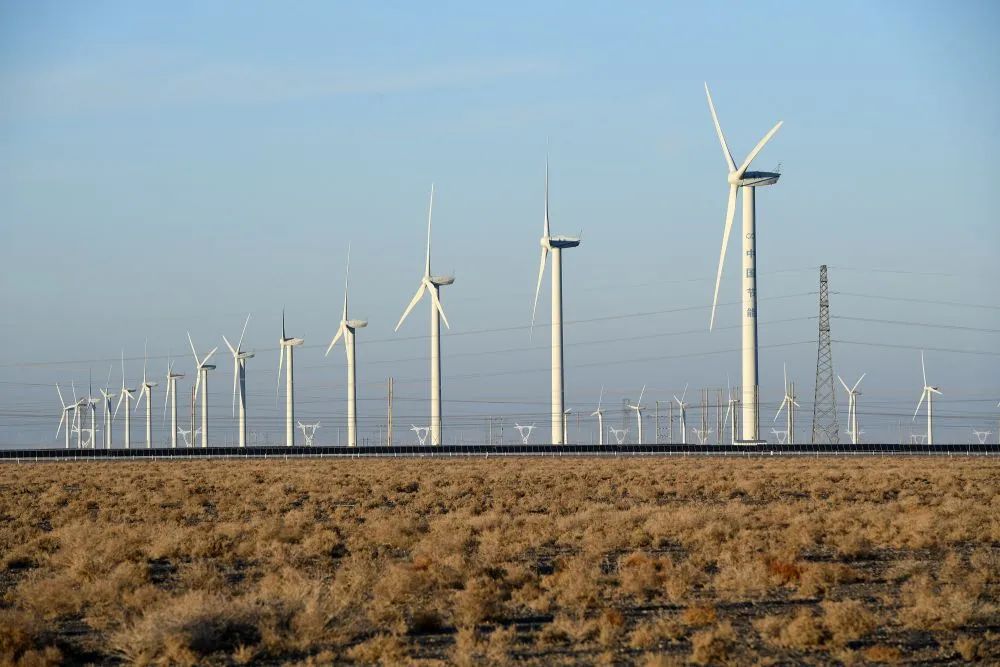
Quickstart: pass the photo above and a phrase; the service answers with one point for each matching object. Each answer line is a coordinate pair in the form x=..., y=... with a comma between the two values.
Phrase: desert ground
x=646, y=561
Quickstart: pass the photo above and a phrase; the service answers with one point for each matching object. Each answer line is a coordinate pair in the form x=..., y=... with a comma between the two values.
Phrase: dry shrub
x=881, y=653
x=821, y=578
x=23, y=640
x=968, y=648
x=928, y=605
x=699, y=615
x=742, y=580
x=478, y=601
x=638, y=575
x=713, y=646
x=847, y=620
x=468, y=650
x=382, y=649
x=188, y=628
x=610, y=626
x=651, y=633
x=801, y=631
x=661, y=660
x=500, y=643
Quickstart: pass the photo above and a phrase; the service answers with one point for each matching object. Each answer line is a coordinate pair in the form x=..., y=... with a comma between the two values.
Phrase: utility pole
x=193, y=437
x=670, y=422
x=825, y=429
x=719, y=418
x=656, y=423
x=389, y=419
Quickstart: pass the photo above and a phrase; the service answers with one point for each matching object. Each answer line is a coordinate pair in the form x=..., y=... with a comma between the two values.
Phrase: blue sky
x=170, y=167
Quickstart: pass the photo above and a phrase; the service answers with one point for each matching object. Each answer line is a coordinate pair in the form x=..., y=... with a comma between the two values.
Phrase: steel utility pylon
x=825, y=429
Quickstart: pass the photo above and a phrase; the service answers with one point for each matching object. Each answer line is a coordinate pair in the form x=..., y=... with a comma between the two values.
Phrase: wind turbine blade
x=61, y=396
x=232, y=350
x=844, y=383
x=545, y=224
x=430, y=213
x=718, y=129
x=347, y=281
x=730, y=212
x=166, y=399
x=923, y=395
x=684, y=392
x=73, y=384
x=239, y=346
x=859, y=380
x=144, y=358
x=281, y=360
x=413, y=302
x=209, y=355
x=283, y=336
x=193, y=353
x=107, y=385
x=923, y=368
x=437, y=304
x=121, y=397
x=784, y=371
x=538, y=285
x=641, y=394
x=600, y=397
x=197, y=382
x=780, y=408
x=756, y=149
x=62, y=418
x=340, y=332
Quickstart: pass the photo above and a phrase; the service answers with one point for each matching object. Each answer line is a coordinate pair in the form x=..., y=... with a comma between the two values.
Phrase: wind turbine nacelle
x=244, y=355
x=357, y=324
x=757, y=179
x=208, y=367
x=563, y=242
x=442, y=280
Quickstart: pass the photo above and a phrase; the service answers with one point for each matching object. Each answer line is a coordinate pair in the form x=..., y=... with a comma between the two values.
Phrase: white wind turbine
x=240, y=380
x=852, y=407
x=731, y=410
x=91, y=404
x=683, y=414
x=431, y=285
x=599, y=413
x=171, y=396
x=555, y=245
x=286, y=348
x=125, y=394
x=146, y=391
x=928, y=394
x=749, y=181
x=347, y=331
x=64, y=418
x=202, y=367
x=788, y=404
x=639, y=407
x=106, y=397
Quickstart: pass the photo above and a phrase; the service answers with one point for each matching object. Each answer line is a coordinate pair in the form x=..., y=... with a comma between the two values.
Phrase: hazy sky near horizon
x=169, y=167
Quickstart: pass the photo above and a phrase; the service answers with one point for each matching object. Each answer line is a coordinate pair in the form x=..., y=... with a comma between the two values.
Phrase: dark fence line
x=278, y=451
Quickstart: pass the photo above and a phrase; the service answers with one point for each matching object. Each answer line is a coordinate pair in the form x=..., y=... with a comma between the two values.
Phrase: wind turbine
x=731, y=413
x=749, y=181
x=346, y=330
x=91, y=403
x=555, y=245
x=146, y=391
x=683, y=414
x=65, y=416
x=852, y=407
x=432, y=284
x=171, y=395
x=286, y=347
x=202, y=367
x=106, y=397
x=125, y=394
x=639, y=407
x=927, y=393
x=599, y=413
x=788, y=404
x=240, y=379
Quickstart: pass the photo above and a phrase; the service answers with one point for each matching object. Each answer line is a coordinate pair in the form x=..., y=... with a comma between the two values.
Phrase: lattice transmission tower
x=825, y=429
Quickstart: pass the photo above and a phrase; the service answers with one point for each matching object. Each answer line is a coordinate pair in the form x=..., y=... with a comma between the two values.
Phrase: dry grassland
x=541, y=562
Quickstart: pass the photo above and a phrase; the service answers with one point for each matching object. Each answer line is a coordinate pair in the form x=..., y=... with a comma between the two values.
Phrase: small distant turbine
x=599, y=413
x=788, y=404
x=202, y=367
x=683, y=413
x=286, y=347
x=171, y=396
x=240, y=381
x=64, y=418
x=106, y=397
x=146, y=391
x=125, y=394
x=927, y=393
x=639, y=407
x=852, y=408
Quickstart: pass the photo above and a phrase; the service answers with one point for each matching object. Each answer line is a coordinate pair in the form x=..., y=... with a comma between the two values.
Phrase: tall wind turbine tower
x=748, y=181
x=683, y=414
x=202, y=367
x=639, y=407
x=240, y=380
x=125, y=394
x=347, y=331
x=554, y=245
x=171, y=395
x=146, y=391
x=286, y=348
x=852, y=407
x=432, y=284
x=927, y=393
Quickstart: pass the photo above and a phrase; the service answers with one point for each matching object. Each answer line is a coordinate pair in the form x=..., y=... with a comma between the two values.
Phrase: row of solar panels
x=272, y=451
